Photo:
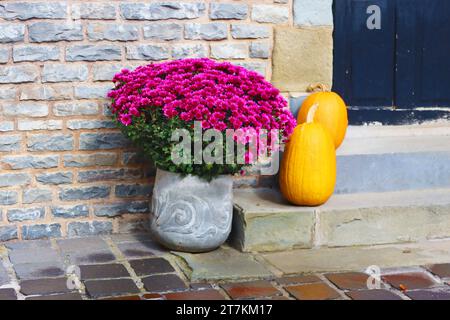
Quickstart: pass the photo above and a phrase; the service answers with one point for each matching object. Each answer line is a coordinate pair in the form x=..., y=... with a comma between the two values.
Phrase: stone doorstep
x=263, y=221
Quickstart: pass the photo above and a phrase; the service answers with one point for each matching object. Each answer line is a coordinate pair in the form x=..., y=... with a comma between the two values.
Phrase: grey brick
x=259, y=67
x=85, y=193
x=70, y=211
x=39, y=270
x=7, y=93
x=25, y=214
x=8, y=197
x=88, y=52
x=162, y=10
x=90, y=160
x=92, y=91
x=116, y=209
x=45, y=92
x=210, y=31
x=46, y=142
x=313, y=13
x=35, y=53
x=112, y=32
x=147, y=52
x=229, y=51
x=260, y=50
x=4, y=55
x=109, y=174
x=106, y=72
x=19, y=74
x=163, y=31
x=8, y=233
x=25, y=162
x=14, y=179
x=50, y=32
x=56, y=178
x=134, y=190
x=36, y=195
x=61, y=72
x=245, y=31
x=10, y=143
x=97, y=141
x=86, y=10
x=6, y=126
x=267, y=13
x=90, y=124
x=41, y=231
x=11, y=32
x=82, y=229
x=133, y=158
x=25, y=109
x=75, y=108
x=30, y=10
x=189, y=50
x=30, y=125
x=228, y=11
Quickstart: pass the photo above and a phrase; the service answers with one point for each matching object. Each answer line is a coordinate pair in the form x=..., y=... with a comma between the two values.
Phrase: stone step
x=264, y=221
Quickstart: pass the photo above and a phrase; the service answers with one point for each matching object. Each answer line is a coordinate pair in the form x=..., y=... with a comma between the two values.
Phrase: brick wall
x=64, y=169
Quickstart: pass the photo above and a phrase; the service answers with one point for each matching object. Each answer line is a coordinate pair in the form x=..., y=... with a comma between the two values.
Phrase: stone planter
x=190, y=214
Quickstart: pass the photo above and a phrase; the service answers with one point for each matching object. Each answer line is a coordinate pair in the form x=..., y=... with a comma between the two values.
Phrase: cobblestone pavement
x=132, y=267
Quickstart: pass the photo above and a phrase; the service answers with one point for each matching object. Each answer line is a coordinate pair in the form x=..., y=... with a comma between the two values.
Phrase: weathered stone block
x=92, y=91
x=260, y=50
x=90, y=160
x=56, y=92
x=18, y=74
x=11, y=32
x=50, y=32
x=25, y=162
x=260, y=67
x=88, y=52
x=8, y=197
x=46, y=142
x=228, y=11
x=210, y=31
x=36, y=195
x=245, y=31
x=189, y=50
x=162, y=10
x=41, y=231
x=163, y=31
x=10, y=143
x=60, y=72
x=30, y=125
x=4, y=55
x=35, y=53
x=270, y=13
x=19, y=215
x=33, y=10
x=302, y=57
x=75, y=108
x=84, y=193
x=8, y=233
x=14, y=179
x=7, y=93
x=97, y=141
x=25, y=109
x=109, y=174
x=112, y=32
x=70, y=211
x=147, y=52
x=229, y=51
x=6, y=126
x=116, y=209
x=92, y=10
x=134, y=190
x=56, y=178
x=313, y=12
x=90, y=124
x=82, y=229
x=106, y=72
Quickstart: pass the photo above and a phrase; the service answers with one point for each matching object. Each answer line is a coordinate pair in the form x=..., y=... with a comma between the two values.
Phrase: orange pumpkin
x=308, y=169
x=331, y=113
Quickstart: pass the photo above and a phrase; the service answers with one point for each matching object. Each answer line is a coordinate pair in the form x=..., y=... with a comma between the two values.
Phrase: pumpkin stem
x=317, y=87
x=312, y=113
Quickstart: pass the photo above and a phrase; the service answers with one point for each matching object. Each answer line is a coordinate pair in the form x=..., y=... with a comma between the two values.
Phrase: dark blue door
x=392, y=53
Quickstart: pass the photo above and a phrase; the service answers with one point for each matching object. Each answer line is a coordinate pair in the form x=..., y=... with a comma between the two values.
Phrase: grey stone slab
x=39, y=270
x=31, y=244
x=80, y=244
x=4, y=277
x=224, y=263
x=130, y=237
x=34, y=255
x=141, y=249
